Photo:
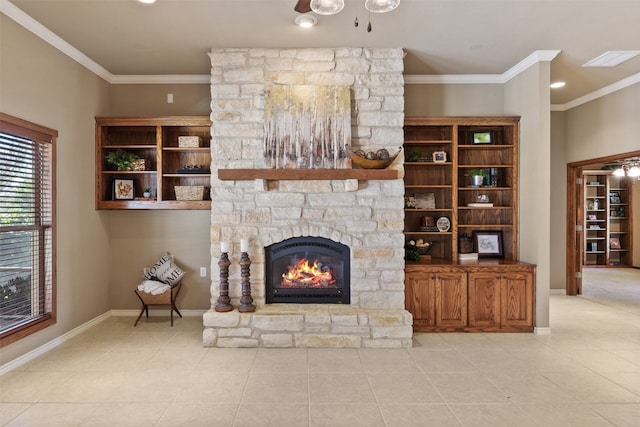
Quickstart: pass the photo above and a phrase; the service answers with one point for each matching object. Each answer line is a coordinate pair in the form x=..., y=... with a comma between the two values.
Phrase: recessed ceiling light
x=306, y=21
x=612, y=58
x=147, y=1
x=556, y=85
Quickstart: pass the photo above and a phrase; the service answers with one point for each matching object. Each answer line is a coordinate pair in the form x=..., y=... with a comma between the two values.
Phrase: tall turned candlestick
x=224, y=302
x=246, y=300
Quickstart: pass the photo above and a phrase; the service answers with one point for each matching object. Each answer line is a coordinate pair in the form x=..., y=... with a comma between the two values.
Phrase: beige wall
x=138, y=238
x=558, y=203
x=604, y=127
x=151, y=100
x=454, y=100
x=42, y=85
x=527, y=95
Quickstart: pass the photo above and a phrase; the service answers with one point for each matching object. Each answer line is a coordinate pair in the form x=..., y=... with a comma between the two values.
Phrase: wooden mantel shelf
x=307, y=174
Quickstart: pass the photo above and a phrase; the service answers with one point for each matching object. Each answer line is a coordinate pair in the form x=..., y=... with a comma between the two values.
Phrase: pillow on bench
x=165, y=270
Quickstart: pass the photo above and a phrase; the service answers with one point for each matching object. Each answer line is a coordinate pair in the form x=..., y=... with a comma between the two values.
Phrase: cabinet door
x=451, y=297
x=484, y=298
x=516, y=300
x=419, y=296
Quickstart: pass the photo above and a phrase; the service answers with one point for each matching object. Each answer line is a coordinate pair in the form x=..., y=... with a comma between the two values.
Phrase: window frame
x=42, y=135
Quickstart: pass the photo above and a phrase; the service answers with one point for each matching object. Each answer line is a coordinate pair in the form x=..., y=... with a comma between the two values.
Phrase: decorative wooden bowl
x=372, y=164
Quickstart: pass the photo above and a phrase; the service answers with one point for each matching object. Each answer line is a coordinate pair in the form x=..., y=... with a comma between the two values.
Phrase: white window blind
x=26, y=229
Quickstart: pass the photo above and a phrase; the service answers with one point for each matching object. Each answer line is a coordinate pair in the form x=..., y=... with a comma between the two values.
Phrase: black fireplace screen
x=307, y=270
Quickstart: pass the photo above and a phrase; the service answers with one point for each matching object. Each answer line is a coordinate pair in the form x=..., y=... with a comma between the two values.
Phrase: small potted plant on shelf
x=146, y=193
x=122, y=160
x=477, y=176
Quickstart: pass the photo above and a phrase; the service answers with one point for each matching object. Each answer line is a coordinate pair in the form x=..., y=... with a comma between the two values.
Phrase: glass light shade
x=618, y=172
x=306, y=20
x=327, y=7
x=381, y=6
x=634, y=171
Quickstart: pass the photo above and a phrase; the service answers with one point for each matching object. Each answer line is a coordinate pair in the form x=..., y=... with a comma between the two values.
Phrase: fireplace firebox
x=308, y=270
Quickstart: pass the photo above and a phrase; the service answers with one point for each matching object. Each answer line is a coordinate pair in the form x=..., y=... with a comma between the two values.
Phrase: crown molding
x=54, y=40
x=532, y=59
x=614, y=87
x=439, y=79
x=161, y=79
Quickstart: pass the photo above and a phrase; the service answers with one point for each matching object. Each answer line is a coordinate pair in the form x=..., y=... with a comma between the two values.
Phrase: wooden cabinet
x=166, y=164
x=451, y=299
x=437, y=300
x=484, y=299
x=607, y=226
x=516, y=300
x=441, y=155
x=420, y=298
x=469, y=144
x=482, y=296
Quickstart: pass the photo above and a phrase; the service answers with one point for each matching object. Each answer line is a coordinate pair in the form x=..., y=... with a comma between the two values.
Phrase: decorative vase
x=477, y=180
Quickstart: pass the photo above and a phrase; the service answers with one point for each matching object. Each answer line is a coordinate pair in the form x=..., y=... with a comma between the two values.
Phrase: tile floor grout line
x=244, y=389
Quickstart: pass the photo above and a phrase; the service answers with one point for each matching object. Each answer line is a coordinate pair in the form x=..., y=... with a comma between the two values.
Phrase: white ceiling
x=441, y=37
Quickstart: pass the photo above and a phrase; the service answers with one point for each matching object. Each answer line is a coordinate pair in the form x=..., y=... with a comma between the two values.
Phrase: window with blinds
x=27, y=270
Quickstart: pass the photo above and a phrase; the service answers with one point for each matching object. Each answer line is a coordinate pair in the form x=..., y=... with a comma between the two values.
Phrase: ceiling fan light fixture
x=618, y=172
x=381, y=6
x=327, y=7
x=306, y=21
x=634, y=171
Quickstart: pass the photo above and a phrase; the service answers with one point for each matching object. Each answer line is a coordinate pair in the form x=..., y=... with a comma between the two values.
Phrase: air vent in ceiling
x=612, y=58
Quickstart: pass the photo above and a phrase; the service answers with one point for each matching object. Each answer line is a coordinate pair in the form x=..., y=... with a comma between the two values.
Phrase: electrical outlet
x=203, y=271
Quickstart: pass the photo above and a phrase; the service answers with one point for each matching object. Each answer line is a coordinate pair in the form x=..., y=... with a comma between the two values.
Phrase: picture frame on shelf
x=482, y=137
x=614, y=243
x=488, y=243
x=123, y=189
x=592, y=217
x=614, y=197
x=439, y=156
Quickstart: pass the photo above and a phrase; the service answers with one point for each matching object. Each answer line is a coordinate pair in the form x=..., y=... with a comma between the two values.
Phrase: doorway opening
x=577, y=214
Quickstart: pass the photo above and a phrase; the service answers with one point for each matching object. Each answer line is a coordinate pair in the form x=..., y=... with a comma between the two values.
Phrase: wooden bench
x=166, y=298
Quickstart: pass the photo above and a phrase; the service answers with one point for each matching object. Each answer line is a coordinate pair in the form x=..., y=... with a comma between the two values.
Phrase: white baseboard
x=541, y=331
x=27, y=357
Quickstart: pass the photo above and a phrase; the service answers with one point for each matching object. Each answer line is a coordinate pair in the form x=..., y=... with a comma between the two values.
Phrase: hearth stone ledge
x=308, y=326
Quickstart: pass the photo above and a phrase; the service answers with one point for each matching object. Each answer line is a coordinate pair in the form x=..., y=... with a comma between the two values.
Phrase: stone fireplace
x=360, y=220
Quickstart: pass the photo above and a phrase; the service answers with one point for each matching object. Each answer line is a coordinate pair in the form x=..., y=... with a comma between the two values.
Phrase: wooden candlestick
x=224, y=302
x=246, y=300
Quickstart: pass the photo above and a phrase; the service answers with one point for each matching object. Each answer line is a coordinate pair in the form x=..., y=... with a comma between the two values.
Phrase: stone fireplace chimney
x=365, y=216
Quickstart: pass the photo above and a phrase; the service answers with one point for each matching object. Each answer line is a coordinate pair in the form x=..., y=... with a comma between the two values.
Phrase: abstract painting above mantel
x=307, y=127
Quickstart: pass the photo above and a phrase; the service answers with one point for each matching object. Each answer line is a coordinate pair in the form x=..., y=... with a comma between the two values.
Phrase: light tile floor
x=586, y=373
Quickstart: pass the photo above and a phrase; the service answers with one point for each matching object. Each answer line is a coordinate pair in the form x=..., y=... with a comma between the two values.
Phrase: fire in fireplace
x=307, y=270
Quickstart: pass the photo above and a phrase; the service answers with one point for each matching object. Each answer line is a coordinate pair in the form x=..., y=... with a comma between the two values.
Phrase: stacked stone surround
x=367, y=216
